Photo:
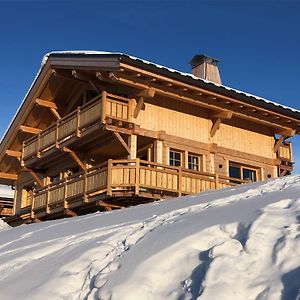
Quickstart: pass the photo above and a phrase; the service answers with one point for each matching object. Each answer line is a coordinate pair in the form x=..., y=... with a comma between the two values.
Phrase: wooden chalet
x=99, y=131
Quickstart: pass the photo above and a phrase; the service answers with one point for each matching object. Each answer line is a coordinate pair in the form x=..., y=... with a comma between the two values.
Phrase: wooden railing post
x=85, y=199
x=32, y=204
x=103, y=107
x=38, y=154
x=217, y=180
x=180, y=181
x=22, y=157
x=47, y=200
x=78, y=122
x=109, y=177
x=137, y=177
x=65, y=192
x=56, y=135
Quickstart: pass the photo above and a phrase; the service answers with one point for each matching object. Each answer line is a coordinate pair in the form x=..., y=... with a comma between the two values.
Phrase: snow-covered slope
x=236, y=243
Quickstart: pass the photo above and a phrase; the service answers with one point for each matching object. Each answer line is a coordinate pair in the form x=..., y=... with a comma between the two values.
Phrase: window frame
x=241, y=171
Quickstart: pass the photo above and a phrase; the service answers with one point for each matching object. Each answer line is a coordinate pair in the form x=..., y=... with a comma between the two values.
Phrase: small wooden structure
x=103, y=131
x=6, y=206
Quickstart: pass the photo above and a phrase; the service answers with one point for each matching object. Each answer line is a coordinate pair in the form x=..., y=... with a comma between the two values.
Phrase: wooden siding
x=246, y=141
x=175, y=122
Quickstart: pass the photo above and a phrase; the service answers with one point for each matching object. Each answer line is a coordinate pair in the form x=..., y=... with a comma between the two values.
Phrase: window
x=242, y=172
x=175, y=158
x=193, y=162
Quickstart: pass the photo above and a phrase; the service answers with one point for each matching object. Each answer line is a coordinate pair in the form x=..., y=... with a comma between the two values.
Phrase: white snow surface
x=236, y=243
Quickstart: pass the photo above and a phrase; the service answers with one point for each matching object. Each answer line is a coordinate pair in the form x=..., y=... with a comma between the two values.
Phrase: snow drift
x=237, y=243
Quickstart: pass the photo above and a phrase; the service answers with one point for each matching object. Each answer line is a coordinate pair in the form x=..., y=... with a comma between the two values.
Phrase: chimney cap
x=201, y=58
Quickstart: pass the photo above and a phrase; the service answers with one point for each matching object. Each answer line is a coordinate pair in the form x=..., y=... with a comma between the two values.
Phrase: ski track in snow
x=257, y=258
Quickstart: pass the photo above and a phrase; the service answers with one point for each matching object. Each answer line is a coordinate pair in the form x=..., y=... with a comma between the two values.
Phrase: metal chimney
x=206, y=67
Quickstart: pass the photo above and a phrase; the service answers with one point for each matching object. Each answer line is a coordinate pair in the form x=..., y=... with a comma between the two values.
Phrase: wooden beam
x=122, y=142
x=45, y=103
x=75, y=157
x=215, y=127
x=8, y=176
x=55, y=113
x=69, y=213
x=108, y=205
x=279, y=143
x=226, y=114
x=284, y=134
x=147, y=93
x=28, y=129
x=34, y=175
x=13, y=153
x=138, y=107
x=288, y=133
x=217, y=117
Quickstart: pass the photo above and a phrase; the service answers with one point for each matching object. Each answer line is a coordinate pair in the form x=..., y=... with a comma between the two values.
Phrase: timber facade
x=99, y=131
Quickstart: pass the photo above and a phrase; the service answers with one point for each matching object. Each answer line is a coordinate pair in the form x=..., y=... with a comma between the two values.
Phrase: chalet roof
x=163, y=70
x=190, y=78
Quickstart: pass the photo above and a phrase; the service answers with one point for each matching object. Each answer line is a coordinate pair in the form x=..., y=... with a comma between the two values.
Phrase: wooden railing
x=285, y=151
x=6, y=207
x=122, y=176
x=78, y=121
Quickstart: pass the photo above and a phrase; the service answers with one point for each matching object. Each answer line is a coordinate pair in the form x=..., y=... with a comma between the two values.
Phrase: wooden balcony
x=78, y=123
x=285, y=156
x=123, y=178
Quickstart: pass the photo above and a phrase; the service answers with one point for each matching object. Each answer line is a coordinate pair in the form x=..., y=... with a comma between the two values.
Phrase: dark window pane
x=175, y=158
x=249, y=174
x=234, y=171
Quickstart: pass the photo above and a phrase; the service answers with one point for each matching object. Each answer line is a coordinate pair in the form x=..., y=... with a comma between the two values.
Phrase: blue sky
x=258, y=42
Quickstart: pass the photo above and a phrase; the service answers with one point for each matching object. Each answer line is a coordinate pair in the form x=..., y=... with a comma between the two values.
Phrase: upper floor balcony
x=79, y=123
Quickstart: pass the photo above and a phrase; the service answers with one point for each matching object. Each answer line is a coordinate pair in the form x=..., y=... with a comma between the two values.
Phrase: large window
x=242, y=172
x=185, y=159
x=175, y=158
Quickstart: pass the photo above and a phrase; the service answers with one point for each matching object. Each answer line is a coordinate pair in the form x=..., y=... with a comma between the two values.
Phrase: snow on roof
x=82, y=52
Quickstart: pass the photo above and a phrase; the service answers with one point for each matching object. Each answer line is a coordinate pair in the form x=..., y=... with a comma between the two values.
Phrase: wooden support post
x=75, y=157
x=132, y=144
x=103, y=107
x=109, y=177
x=158, y=151
x=122, y=142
